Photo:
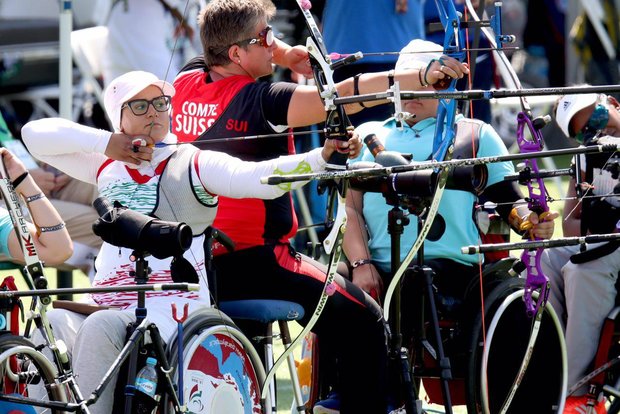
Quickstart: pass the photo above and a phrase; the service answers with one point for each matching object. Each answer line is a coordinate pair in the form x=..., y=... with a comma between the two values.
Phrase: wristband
x=57, y=227
x=19, y=179
x=360, y=262
x=35, y=197
x=422, y=83
x=428, y=67
x=356, y=87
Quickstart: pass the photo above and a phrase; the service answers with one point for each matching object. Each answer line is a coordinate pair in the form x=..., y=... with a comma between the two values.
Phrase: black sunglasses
x=141, y=106
x=596, y=123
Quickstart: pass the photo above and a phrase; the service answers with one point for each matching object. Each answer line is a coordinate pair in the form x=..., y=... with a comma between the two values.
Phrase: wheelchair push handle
x=175, y=315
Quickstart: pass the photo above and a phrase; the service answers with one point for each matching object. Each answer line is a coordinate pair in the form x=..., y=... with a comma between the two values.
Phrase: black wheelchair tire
x=472, y=379
x=547, y=388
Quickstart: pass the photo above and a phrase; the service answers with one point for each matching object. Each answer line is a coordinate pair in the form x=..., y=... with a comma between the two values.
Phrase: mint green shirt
x=456, y=208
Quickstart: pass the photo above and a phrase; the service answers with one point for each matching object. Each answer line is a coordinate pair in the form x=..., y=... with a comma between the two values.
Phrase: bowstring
x=201, y=274
x=469, y=111
x=590, y=187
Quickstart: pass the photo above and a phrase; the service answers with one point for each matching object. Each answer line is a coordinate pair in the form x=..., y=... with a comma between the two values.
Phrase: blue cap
x=151, y=361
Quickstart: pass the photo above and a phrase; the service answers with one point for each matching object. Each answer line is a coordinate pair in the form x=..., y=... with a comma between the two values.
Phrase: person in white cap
x=583, y=284
x=416, y=137
x=140, y=166
x=367, y=243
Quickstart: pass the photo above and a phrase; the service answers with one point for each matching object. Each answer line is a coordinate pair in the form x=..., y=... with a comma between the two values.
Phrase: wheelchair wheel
x=26, y=372
x=222, y=373
x=497, y=362
x=313, y=383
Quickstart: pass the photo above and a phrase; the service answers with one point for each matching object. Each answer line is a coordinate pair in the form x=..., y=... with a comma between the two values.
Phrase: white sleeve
x=75, y=149
x=228, y=176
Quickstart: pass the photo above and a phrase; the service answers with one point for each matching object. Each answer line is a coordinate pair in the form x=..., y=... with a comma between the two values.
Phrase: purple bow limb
x=535, y=281
x=537, y=202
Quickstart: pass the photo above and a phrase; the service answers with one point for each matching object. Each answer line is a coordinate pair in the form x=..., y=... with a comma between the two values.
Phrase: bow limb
x=34, y=266
x=442, y=142
x=432, y=212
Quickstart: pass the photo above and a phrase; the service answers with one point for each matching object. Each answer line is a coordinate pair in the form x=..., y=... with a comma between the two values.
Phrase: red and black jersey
x=236, y=106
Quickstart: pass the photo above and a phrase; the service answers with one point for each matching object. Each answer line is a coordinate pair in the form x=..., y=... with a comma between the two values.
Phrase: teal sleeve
x=492, y=145
x=6, y=225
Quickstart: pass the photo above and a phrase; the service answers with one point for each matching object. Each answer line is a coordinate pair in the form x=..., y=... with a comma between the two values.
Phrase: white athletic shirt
x=78, y=151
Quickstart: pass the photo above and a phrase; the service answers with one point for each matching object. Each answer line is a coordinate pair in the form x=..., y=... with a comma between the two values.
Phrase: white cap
x=569, y=105
x=125, y=87
x=411, y=58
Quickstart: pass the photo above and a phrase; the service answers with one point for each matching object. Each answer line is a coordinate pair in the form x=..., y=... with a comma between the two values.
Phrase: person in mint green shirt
x=367, y=241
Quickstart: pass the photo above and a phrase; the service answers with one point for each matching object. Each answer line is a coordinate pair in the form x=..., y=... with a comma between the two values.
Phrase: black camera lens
x=123, y=227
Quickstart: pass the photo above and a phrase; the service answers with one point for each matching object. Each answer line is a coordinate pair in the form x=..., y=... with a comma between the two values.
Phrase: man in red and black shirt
x=218, y=97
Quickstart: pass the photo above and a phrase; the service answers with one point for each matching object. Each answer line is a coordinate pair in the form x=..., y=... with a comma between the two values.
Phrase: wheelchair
x=484, y=365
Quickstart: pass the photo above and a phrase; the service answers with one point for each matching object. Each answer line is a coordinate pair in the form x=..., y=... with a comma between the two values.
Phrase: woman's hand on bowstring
x=352, y=147
x=130, y=149
x=296, y=59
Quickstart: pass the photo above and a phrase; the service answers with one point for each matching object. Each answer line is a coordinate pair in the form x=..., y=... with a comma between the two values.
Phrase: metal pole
x=66, y=61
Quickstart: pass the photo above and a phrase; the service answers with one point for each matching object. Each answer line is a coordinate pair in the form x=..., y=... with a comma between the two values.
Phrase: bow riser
x=337, y=122
x=537, y=202
x=453, y=46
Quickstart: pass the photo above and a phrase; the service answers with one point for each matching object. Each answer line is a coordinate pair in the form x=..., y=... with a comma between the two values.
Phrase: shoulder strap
x=467, y=139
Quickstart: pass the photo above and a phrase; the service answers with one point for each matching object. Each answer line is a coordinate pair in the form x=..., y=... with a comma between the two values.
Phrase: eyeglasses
x=141, y=106
x=596, y=123
x=265, y=38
